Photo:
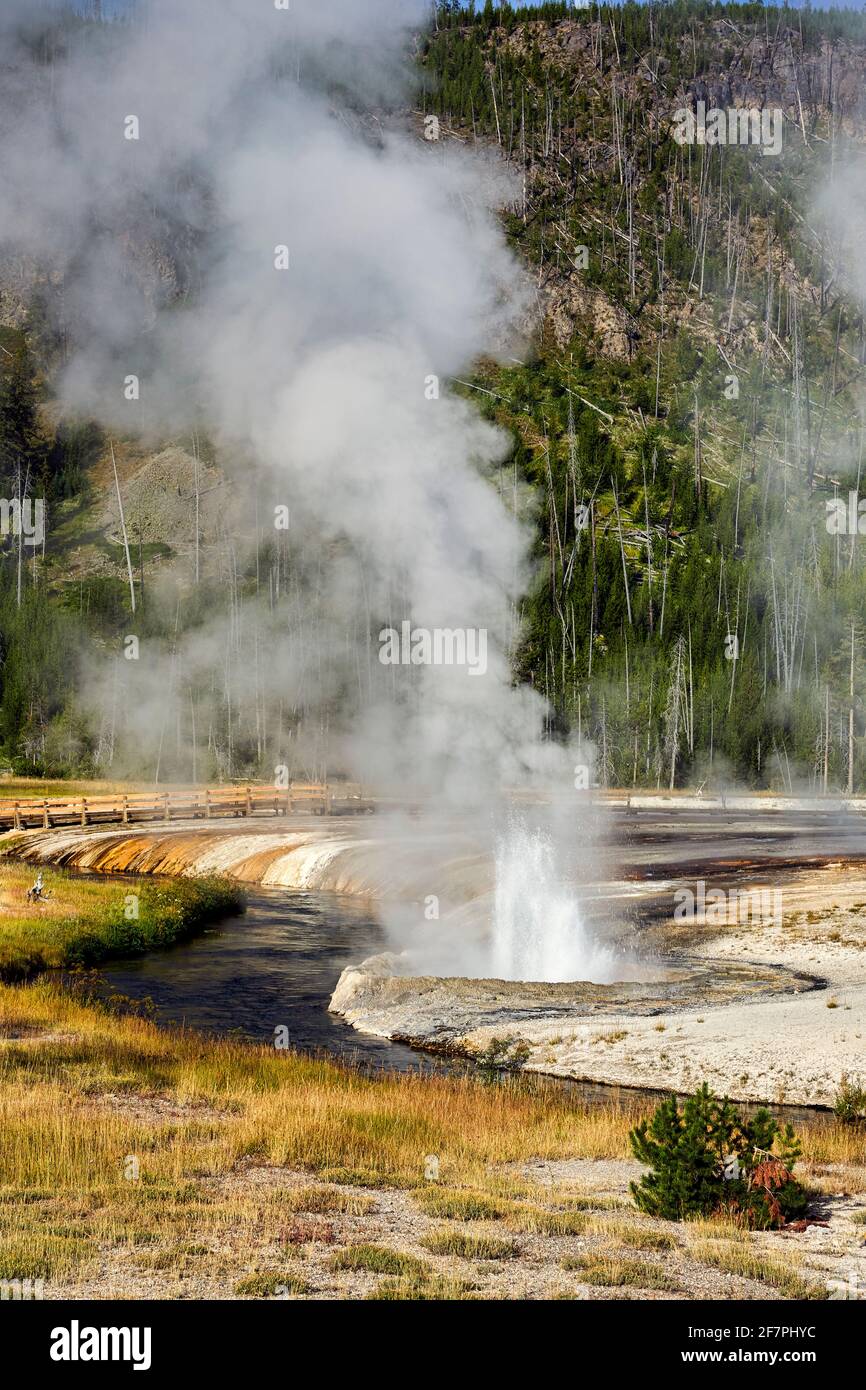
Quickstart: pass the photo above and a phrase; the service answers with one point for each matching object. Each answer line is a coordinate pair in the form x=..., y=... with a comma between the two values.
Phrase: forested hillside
x=696, y=393
x=692, y=398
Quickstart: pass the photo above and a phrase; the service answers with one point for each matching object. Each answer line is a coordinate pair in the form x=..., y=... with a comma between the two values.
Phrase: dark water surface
x=274, y=966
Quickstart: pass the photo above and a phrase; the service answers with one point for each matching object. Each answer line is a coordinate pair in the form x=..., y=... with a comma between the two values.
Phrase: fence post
x=249, y=810
x=17, y=817
x=84, y=810
x=207, y=803
x=166, y=813
x=46, y=823
x=125, y=810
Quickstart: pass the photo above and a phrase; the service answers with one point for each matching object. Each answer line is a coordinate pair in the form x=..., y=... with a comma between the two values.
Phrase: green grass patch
x=436, y=1289
x=84, y=921
x=454, y=1204
x=469, y=1247
x=611, y=1273
x=749, y=1263
x=378, y=1259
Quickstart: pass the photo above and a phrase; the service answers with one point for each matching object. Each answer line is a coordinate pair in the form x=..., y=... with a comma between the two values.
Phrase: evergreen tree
x=707, y=1158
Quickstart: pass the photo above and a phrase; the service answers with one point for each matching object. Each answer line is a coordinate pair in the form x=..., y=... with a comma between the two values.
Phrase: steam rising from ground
x=258, y=129
x=254, y=134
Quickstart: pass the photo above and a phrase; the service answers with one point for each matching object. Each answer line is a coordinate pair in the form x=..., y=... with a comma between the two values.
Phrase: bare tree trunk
x=649, y=551
x=192, y=722
x=851, y=719
x=123, y=529
x=495, y=107
x=197, y=494
x=622, y=553
x=826, y=737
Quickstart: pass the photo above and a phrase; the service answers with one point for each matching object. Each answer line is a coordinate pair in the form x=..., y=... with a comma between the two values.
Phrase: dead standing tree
x=677, y=715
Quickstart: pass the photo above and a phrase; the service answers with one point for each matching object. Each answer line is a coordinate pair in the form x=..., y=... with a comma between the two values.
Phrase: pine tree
x=706, y=1158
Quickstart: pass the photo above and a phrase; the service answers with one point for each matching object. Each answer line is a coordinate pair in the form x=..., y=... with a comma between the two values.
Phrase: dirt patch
x=296, y=1248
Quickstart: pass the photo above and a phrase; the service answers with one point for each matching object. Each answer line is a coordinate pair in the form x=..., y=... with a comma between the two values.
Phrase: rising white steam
x=259, y=129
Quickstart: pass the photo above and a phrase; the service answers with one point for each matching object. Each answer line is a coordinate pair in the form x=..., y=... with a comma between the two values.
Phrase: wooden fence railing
x=204, y=803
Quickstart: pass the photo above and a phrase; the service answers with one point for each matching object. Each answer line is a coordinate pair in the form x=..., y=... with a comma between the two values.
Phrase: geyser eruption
x=227, y=205
x=537, y=932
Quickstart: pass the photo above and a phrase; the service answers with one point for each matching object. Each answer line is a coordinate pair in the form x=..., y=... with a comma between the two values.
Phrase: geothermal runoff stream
x=365, y=935
x=274, y=967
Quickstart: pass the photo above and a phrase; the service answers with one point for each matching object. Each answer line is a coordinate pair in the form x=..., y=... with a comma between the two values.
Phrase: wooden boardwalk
x=201, y=803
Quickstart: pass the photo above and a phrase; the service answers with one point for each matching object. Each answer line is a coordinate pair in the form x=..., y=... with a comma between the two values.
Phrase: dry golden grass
x=456, y=1205
x=84, y=1093
x=632, y=1233
x=612, y=1272
x=470, y=1247
x=279, y=1108
x=567, y=1218
x=834, y=1181
x=539, y=1221
x=713, y=1228
x=831, y=1141
x=747, y=1262
x=378, y=1259
x=36, y=788
x=430, y=1288
x=123, y=1143
x=322, y=1200
x=278, y=1284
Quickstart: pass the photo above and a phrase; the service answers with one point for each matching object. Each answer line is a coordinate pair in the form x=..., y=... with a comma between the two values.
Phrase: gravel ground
x=305, y=1248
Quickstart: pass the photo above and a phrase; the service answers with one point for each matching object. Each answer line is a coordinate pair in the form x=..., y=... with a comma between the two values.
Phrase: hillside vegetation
x=691, y=401
x=696, y=394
